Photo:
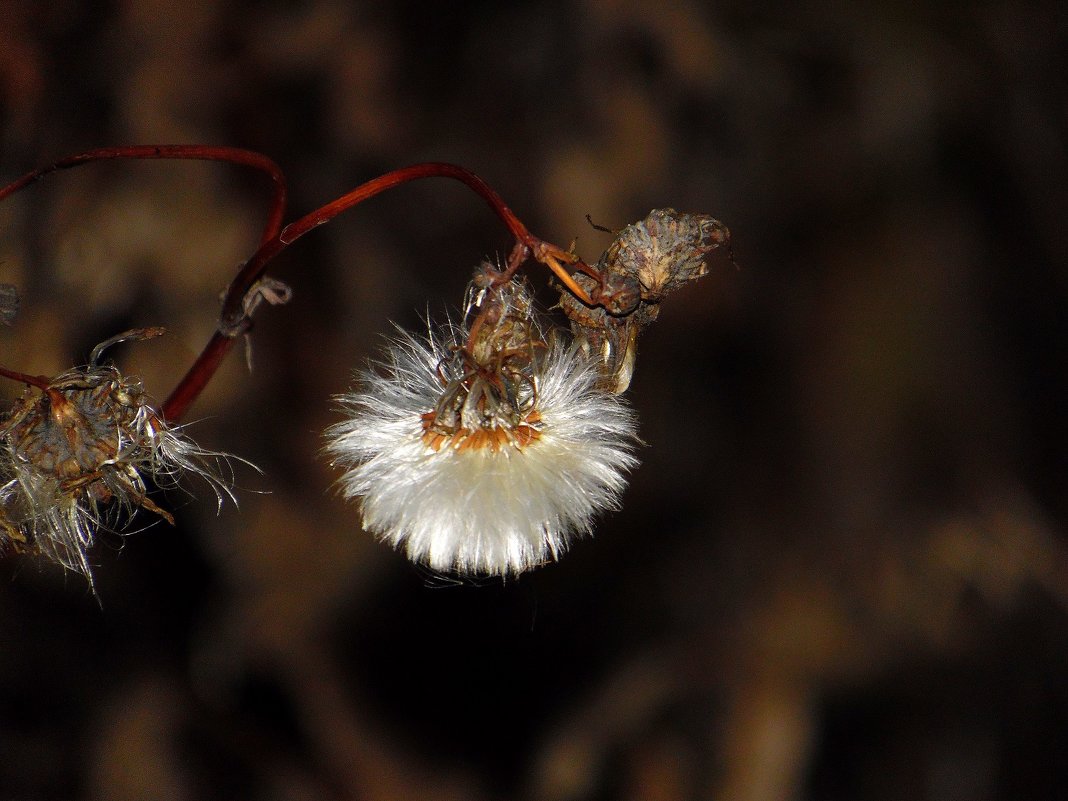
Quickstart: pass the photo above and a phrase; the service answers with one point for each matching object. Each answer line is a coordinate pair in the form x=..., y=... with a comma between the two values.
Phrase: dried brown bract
x=83, y=449
x=492, y=369
x=646, y=261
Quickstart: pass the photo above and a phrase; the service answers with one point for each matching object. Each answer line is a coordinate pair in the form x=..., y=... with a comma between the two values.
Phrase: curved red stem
x=254, y=267
x=209, y=360
x=233, y=319
x=232, y=155
x=197, y=377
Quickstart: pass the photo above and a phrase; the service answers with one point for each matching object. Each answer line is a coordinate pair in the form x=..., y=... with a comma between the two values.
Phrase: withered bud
x=664, y=251
x=645, y=262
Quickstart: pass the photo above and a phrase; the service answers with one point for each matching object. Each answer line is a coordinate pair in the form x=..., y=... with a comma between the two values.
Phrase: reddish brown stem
x=233, y=319
x=39, y=381
x=217, y=348
x=232, y=155
x=194, y=381
x=254, y=268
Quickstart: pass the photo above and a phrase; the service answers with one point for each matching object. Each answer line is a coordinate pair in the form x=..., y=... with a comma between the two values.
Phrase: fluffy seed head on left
x=83, y=452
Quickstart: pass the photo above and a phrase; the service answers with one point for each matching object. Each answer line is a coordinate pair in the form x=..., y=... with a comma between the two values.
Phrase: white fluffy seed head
x=495, y=501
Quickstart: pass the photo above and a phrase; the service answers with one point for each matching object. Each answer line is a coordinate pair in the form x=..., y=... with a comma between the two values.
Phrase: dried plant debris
x=83, y=451
x=645, y=262
x=9, y=303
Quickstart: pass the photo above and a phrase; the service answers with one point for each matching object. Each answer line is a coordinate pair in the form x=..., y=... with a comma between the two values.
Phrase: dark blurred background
x=839, y=572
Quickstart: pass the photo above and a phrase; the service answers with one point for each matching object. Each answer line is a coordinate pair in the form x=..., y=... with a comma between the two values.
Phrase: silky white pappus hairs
x=483, y=453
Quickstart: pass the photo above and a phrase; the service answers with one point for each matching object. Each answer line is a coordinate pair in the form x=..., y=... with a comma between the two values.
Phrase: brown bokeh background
x=839, y=572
